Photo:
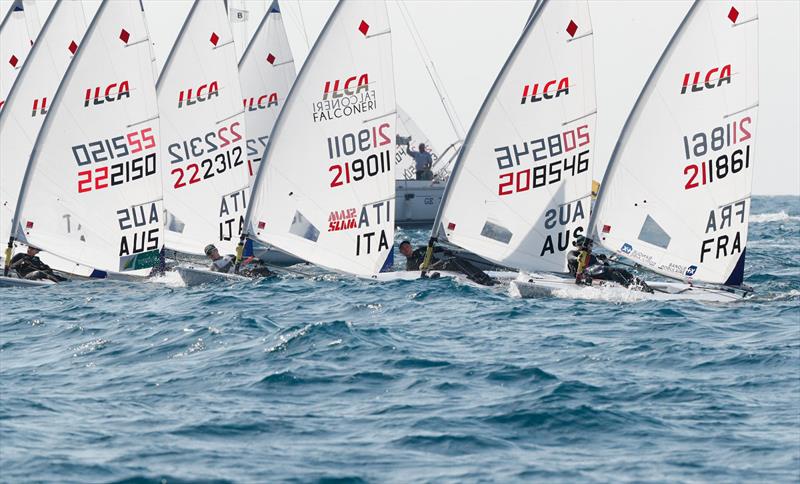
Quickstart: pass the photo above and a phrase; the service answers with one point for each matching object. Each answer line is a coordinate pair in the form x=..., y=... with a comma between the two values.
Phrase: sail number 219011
x=356, y=145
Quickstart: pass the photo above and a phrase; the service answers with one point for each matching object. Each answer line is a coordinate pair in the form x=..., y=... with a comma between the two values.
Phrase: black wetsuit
x=598, y=268
x=445, y=260
x=255, y=268
x=32, y=268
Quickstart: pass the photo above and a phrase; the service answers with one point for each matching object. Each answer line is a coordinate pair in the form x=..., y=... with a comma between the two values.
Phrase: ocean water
x=332, y=379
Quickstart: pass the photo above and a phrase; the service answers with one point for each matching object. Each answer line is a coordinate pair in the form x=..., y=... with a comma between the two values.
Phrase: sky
x=468, y=41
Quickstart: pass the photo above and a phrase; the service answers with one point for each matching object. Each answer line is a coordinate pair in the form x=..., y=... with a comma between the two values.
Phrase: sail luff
x=47, y=124
x=312, y=54
x=171, y=54
x=465, y=147
x=625, y=132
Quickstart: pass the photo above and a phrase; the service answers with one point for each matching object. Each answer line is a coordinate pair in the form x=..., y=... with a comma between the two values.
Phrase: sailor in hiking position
x=423, y=161
x=586, y=267
x=443, y=260
x=28, y=266
x=250, y=267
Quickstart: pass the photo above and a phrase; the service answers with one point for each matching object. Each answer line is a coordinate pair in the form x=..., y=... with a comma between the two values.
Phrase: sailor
x=423, y=162
x=586, y=266
x=28, y=266
x=443, y=260
x=250, y=267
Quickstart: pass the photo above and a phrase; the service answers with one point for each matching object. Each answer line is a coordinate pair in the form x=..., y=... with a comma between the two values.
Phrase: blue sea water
x=334, y=379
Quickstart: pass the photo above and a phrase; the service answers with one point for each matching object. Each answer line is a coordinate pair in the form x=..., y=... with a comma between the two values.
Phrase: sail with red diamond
x=676, y=195
x=520, y=191
x=204, y=156
x=266, y=73
x=18, y=31
x=29, y=101
x=92, y=190
x=325, y=189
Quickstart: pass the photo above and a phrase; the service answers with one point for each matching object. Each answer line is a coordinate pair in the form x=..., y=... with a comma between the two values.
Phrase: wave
x=772, y=217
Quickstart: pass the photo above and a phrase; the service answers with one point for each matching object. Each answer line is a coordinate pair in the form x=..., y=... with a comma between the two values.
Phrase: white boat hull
x=541, y=286
x=17, y=282
x=501, y=276
x=194, y=277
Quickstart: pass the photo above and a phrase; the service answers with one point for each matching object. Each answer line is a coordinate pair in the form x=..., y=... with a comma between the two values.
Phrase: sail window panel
x=496, y=232
x=652, y=233
x=302, y=227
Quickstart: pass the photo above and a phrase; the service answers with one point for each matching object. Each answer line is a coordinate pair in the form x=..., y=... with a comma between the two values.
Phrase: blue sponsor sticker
x=691, y=270
x=626, y=248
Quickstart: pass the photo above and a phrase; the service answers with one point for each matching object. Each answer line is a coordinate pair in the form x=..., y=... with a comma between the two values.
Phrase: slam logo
x=342, y=220
x=626, y=248
x=203, y=93
x=262, y=102
x=690, y=271
x=552, y=89
x=112, y=92
x=713, y=78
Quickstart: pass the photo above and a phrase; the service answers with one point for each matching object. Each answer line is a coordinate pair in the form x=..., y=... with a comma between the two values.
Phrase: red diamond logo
x=606, y=229
x=124, y=36
x=451, y=226
x=13, y=61
x=271, y=58
x=214, y=38
x=28, y=224
x=572, y=28
x=73, y=47
x=733, y=14
x=261, y=225
x=363, y=27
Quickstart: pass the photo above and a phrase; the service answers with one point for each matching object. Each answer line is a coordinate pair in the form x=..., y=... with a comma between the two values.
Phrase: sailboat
x=18, y=31
x=675, y=198
x=91, y=193
x=520, y=189
x=26, y=108
x=204, y=158
x=325, y=189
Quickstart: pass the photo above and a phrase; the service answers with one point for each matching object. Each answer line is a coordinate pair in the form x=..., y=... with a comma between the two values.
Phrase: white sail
x=92, y=189
x=676, y=195
x=18, y=30
x=409, y=134
x=245, y=17
x=203, y=132
x=266, y=73
x=325, y=191
x=521, y=189
x=31, y=97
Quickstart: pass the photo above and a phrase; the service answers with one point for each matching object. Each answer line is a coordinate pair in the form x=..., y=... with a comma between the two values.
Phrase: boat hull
x=545, y=286
x=194, y=277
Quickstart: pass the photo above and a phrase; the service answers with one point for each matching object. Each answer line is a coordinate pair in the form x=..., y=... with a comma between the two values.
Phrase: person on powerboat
x=28, y=266
x=598, y=267
x=250, y=267
x=423, y=161
x=443, y=260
